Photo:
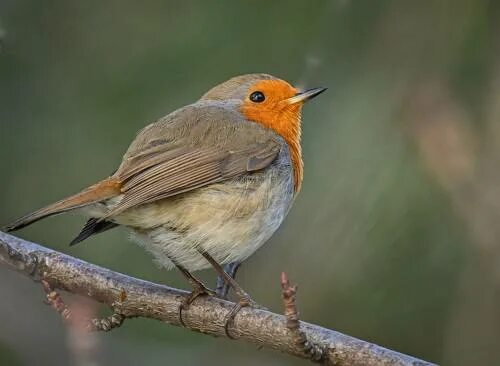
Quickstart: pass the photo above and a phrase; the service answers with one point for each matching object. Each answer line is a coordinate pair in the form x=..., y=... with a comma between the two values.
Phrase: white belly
x=230, y=221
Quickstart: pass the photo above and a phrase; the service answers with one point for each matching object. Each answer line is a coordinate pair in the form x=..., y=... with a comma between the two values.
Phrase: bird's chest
x=246, y=211
x=230, y=220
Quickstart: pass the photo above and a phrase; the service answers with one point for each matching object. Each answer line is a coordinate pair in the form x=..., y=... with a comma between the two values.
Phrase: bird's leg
x=227, y=278
x=221, y=287
x=244, y=299
x=199, y=289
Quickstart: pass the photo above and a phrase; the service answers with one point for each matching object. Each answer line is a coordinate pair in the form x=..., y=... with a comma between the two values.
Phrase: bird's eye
x=257, y=97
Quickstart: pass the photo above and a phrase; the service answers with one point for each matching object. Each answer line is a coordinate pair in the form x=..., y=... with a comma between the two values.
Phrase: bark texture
x=130, y=297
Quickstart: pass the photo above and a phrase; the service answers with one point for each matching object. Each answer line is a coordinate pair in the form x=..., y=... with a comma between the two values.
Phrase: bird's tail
x=103, y=190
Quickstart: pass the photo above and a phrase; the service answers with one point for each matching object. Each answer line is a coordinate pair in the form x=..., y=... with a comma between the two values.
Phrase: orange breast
x=277, y=113
x=287, y=124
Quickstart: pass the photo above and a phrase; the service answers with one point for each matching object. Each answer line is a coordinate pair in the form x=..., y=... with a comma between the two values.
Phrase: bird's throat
x=287, y=124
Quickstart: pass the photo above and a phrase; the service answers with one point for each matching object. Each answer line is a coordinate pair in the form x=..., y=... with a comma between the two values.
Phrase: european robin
x=207, y=184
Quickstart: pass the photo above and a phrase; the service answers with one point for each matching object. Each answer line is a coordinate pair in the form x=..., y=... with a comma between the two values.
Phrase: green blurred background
x=394, y=237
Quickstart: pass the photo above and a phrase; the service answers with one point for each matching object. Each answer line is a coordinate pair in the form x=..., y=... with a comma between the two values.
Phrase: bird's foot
x=198, y=290
x=244, y=301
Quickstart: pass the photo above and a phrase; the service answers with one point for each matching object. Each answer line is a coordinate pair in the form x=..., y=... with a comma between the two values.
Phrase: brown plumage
x=212, y=180
x=98, y=192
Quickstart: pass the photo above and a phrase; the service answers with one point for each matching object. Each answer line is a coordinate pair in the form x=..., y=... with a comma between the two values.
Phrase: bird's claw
x=244, y=301
x=198, y=290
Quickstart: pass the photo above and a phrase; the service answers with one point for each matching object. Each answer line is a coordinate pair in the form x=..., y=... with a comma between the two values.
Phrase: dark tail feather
x=98, y=192
x=92, y=227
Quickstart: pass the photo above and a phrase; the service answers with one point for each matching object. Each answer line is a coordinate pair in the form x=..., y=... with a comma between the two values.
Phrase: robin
x=207, y=184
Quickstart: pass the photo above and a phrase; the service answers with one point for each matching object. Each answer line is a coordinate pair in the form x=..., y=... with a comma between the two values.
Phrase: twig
x=54, y=299
x=289, y=294
x=206, y=314
x=106, y=324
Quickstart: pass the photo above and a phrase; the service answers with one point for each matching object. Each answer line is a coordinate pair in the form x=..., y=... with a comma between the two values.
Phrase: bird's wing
x=92, y=227
x=195, y=147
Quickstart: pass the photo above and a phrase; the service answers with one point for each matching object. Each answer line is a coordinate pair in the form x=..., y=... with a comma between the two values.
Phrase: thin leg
x=229, y=280
x=221, y=287
x=244, y=299
x=199, y=289
x=191, y=279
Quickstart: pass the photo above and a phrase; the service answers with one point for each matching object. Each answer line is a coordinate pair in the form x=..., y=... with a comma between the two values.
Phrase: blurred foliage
x=8, y=357
x=393, y=238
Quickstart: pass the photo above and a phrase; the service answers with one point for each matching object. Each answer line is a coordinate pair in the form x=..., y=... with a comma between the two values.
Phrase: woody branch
x=130, y=297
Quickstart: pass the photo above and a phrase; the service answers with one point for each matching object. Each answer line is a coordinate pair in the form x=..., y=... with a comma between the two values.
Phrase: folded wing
x=218, y=145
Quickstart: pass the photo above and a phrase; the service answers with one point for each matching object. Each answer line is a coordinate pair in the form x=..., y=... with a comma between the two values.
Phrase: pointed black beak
x=305, y=95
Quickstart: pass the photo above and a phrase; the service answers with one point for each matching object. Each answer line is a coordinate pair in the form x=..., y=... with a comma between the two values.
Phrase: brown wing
x=218, y=145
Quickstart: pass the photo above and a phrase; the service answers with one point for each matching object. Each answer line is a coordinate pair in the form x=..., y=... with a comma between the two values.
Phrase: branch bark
x=131, y=297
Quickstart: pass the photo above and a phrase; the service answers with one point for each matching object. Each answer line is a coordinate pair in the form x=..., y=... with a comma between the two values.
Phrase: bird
x=205, y=185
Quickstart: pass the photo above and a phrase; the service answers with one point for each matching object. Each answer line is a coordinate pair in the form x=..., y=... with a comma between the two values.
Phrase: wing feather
x=229, y=147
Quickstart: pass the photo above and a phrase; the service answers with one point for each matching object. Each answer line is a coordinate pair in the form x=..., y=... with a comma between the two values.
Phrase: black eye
x=257, y=97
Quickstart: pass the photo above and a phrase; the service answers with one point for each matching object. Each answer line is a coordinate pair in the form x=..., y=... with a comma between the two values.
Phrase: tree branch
x=131, y=297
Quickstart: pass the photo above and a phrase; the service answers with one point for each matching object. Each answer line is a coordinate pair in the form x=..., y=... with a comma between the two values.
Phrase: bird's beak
x=306, y=95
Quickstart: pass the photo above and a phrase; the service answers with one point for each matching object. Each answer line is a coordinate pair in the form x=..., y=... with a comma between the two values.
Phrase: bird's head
x=265, y=99
x=272, y=102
